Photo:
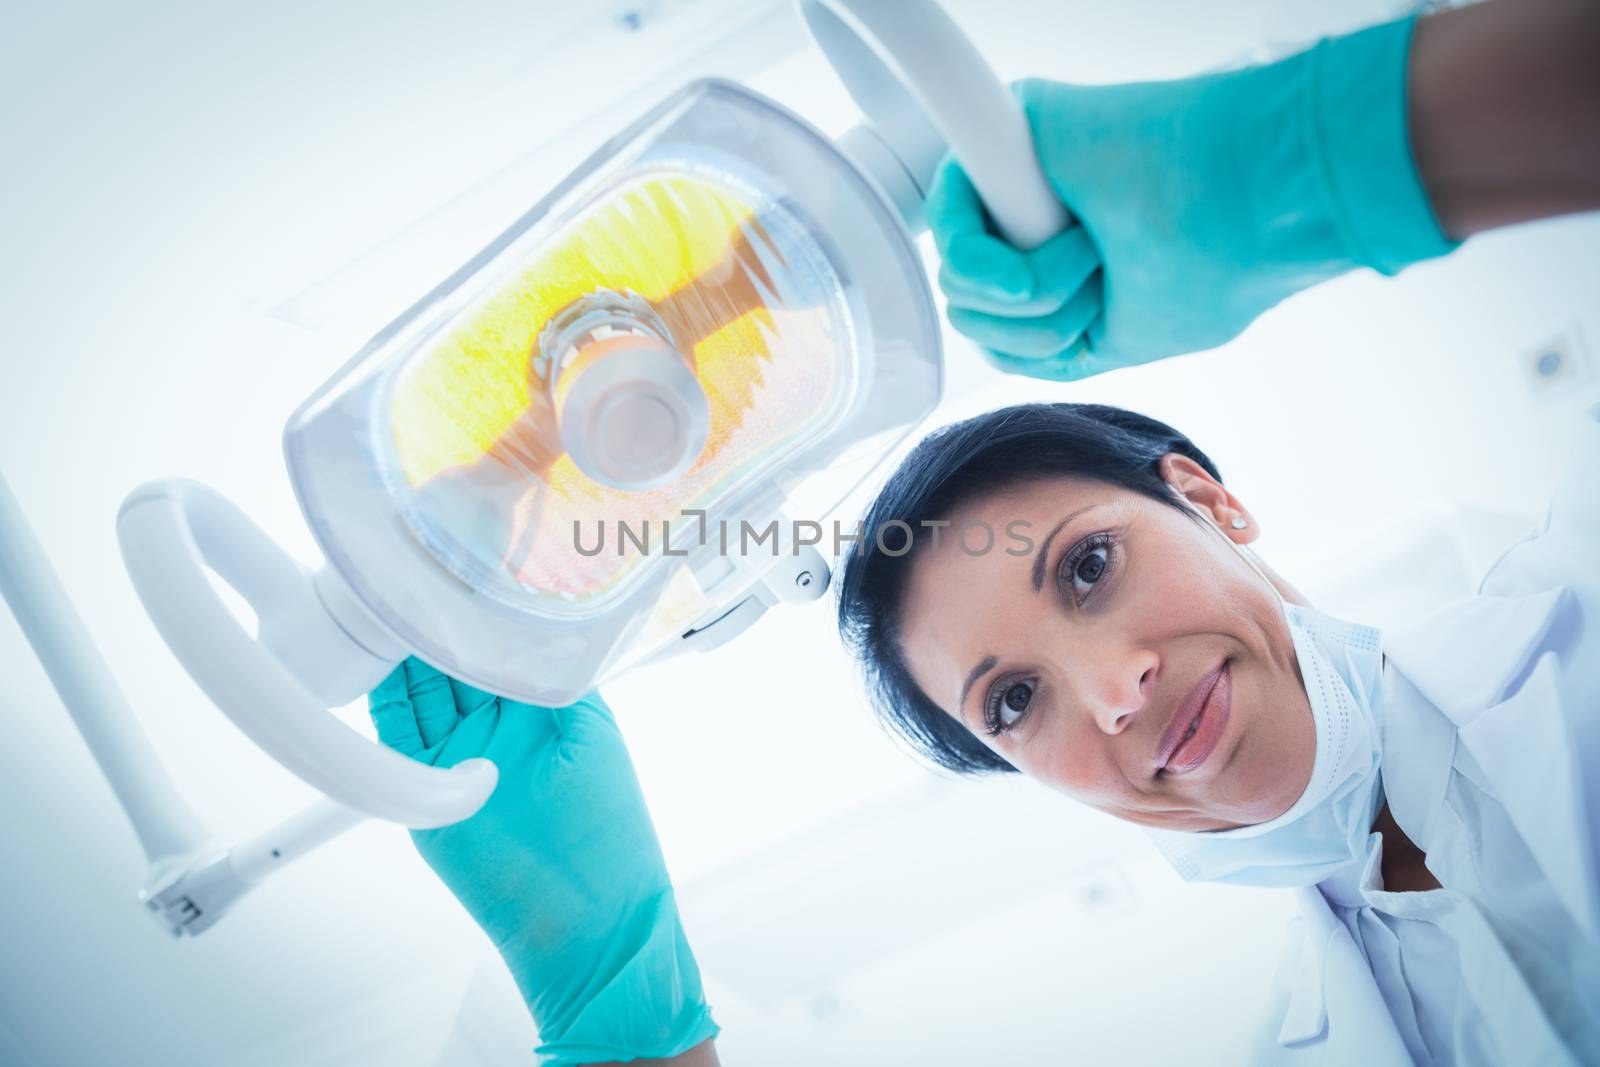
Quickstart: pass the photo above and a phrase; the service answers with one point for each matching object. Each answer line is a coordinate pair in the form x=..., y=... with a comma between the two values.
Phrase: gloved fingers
x=431, y=700
x=1047, y=106
x=1036, y=338
x=595, y=703
x=977, y=267
x=954, y=207
x=1020, y=338
x=1069, y=366
x=1090, y=362
x=1096, y=333
x=1056, y=271
x=586, y=719
x=1030, y=93
x=985, y=274
x=588, y=734
x=1077, y=363
x=468, y=699
x=482, y=734
x=389, y=704
x=1061, y=267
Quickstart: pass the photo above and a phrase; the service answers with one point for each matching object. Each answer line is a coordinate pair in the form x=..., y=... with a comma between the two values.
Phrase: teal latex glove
x=1200, y=203
x=561, y=867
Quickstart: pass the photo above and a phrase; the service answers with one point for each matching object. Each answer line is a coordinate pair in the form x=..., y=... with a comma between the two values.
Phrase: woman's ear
x=1190, y=481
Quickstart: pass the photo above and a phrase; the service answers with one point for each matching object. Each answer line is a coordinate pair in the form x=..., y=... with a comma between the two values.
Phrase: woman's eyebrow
x=979, y=671
x=1043, y=555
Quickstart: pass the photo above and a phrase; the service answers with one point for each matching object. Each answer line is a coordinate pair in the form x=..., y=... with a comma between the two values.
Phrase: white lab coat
x=1491, y=764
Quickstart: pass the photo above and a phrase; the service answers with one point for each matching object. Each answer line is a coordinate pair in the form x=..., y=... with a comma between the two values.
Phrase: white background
x=176, y=174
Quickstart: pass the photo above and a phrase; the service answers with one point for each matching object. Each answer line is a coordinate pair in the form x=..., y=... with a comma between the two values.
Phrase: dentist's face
x=1130, y=658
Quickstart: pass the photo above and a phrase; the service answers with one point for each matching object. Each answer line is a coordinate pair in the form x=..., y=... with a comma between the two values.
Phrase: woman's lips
x=1195, y=748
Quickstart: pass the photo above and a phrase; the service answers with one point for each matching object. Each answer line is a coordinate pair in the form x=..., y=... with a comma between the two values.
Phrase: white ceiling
x=176, y=172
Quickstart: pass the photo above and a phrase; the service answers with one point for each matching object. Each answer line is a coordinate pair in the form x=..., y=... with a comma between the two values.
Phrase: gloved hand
x=561, y=867
x=1200, y=204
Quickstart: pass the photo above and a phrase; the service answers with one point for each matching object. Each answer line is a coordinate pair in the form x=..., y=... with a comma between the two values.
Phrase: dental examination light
x=578, y=453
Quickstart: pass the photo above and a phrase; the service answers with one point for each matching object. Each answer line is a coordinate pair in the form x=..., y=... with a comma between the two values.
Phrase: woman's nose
x=1121, y=689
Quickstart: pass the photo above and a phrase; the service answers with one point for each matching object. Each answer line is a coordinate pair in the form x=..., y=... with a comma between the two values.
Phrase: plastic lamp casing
x=814, y=336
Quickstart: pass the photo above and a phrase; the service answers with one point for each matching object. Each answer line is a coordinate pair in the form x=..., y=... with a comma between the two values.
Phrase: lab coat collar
x=1467, y=656
x=1483, y=664
x=1490, y=665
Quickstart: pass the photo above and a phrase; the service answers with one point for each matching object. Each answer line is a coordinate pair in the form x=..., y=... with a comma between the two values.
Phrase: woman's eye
x=1091, y=567
x=1087, y=564
x=1008, y=705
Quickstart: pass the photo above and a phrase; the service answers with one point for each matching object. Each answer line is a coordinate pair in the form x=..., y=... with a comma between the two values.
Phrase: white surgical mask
x=1327, y=827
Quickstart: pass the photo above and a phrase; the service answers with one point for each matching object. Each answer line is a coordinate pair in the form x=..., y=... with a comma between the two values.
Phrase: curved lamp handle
x=171, y=531
x=924, y=86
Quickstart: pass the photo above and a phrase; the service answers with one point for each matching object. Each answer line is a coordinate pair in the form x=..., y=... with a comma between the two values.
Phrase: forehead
x=1036, y=498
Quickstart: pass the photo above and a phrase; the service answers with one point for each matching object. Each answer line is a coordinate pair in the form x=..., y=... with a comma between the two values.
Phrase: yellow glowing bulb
x=460, y=396
x=475, y=429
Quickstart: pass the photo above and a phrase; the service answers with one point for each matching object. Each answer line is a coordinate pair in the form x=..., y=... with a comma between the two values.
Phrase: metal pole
x=165, y=825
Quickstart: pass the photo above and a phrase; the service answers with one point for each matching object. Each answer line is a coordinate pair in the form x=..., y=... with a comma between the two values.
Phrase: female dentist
x=1201, y=203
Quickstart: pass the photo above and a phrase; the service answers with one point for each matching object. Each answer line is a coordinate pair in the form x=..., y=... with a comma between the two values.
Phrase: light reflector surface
x=742, y=292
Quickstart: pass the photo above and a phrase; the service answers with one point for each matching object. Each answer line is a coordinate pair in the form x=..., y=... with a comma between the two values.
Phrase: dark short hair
x=948, y=469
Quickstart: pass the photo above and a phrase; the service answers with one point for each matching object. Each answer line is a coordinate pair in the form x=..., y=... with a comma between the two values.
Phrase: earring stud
x=1239, y=524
